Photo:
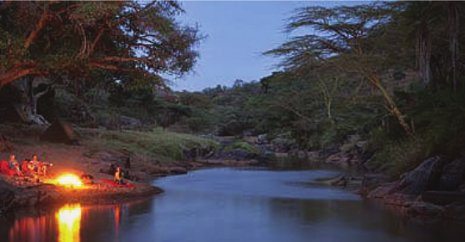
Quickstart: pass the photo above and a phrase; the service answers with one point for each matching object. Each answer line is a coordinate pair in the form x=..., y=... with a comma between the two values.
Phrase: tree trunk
x=424, y=54
x=453, y=23
x=392, y=106
x=27, y=105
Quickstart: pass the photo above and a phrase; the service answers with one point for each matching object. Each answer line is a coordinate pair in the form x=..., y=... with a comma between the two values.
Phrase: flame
x=69, y=223
x=68, y=180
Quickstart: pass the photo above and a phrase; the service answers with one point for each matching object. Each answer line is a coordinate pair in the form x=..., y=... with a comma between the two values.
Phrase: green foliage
x=439, y=120
x=242, y=145
x=159, y=144
x=131, y=41
x=396, y=158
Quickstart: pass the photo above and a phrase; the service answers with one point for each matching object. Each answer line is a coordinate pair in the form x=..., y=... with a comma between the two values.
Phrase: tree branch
x=17, y=72
x=39, y=26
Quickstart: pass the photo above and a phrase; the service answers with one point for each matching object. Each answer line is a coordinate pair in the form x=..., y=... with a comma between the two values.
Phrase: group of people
x=27, y=168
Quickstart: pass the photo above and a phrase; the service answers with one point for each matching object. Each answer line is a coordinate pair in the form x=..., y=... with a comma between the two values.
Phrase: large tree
x=69, y=40
x=345, y=39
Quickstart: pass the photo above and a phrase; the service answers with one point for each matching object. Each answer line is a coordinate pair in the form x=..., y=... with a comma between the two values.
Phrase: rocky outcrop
x=6, y=195
x=422, y=178
x=60, y=132
x=426, y=190
x=372, y=181
x=16, y=197
x=452, y=175
x=412, y=183
x=127, y=122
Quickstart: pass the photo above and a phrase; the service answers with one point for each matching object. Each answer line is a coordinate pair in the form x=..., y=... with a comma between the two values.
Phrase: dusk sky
x=237, y=33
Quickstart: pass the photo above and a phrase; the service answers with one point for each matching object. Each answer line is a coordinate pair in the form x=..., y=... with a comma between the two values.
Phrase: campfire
x=68, y=180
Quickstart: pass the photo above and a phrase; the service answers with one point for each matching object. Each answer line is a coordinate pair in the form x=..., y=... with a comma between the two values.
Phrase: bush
x=395, y=158
x=242, y=145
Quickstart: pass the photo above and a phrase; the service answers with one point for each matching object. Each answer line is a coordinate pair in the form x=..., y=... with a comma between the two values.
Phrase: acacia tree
x=345, y=39
x=69, y=40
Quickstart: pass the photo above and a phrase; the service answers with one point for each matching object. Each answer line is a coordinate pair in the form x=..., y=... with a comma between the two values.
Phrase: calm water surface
x=228, y=205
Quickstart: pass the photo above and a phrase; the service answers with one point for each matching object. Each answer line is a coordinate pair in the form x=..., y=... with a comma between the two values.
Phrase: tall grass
x=164, y=146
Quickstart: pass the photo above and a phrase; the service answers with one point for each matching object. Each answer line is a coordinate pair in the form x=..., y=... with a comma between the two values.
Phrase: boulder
x=7, y=195
x=421, y=178
x=262, y=139
x=419, y=208
x=129, y=122
x=455, y=211
x=371, y=181
x=340, y=159
x=60, y=132
x=452, y=175
x=281, y=144
x=443, y=197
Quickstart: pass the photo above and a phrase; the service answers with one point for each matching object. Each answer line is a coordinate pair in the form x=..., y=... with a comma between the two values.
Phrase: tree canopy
x=73, y=39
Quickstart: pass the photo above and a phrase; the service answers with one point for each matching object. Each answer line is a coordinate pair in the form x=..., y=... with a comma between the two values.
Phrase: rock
x=177, y=170
x=282, y=144
x=455, y=211
x=330, y=150
x=419, y=208
x=421, y=178
x=240, y=154
x=127, y=122
x=443, y=197
x=371, y=181
x=361, y=144
x=60, y=132
x=452, y=175
x=383, y=191
x=299, y=154
x=340, y=159
x=262, y=139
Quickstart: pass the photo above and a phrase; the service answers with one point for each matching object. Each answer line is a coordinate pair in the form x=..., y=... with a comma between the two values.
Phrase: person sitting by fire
x=25, y=169
x=43, y=168
x=119, y=176
x=34, y=164
x=14, y=165
x=39, y=167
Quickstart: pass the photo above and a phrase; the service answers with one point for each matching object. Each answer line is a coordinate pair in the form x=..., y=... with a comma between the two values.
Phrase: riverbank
x=144, y=156
x=433, y=190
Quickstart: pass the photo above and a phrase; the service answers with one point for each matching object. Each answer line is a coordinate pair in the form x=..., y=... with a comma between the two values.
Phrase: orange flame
x=68, y=180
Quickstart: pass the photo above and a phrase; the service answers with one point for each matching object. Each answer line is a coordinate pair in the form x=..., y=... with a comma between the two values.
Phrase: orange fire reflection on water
x=69, y=223
x=64, y=223
x=31, y=229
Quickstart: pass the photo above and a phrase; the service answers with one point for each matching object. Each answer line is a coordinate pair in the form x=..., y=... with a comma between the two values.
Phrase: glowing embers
x=69, y=223
x=68, y=180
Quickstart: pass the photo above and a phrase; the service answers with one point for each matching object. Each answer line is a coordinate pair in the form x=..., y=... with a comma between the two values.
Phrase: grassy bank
x=161, y=145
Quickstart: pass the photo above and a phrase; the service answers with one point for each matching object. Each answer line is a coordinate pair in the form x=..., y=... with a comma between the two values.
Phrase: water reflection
x=31, y=229
x=229, y=206
x=69, y=223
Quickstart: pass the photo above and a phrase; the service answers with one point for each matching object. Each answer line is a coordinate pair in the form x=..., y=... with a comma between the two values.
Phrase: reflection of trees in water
x=316, y=211
x=362, y=216
x=105, y=222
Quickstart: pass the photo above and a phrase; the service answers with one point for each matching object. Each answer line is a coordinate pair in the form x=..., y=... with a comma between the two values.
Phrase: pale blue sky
x=237, y=33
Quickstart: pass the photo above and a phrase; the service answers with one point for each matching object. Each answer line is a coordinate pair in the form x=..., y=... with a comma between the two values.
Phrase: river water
x=229, y=205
